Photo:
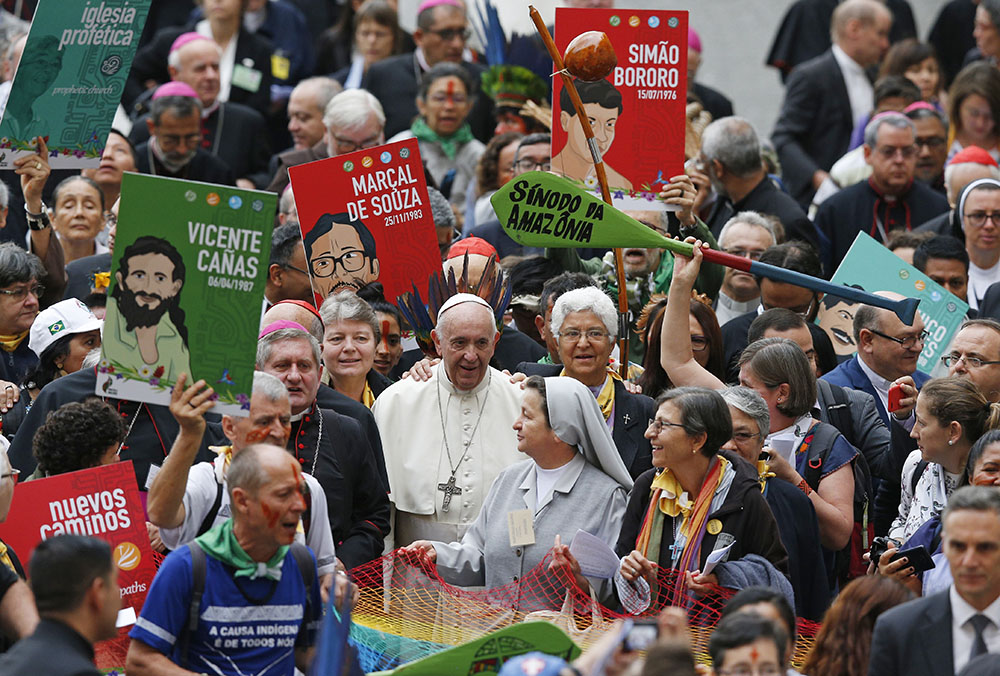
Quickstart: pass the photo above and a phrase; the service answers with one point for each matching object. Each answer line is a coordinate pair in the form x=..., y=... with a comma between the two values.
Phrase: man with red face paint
x=260, y=604
x=185, y=501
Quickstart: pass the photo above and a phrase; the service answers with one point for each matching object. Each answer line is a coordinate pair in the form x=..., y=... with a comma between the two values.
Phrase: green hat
x=513, y=86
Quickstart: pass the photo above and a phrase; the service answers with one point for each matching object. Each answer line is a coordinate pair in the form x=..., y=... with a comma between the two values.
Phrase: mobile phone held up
x=895, y=397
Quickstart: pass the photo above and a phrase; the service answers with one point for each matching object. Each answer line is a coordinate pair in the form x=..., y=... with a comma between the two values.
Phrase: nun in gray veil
x=574, y=479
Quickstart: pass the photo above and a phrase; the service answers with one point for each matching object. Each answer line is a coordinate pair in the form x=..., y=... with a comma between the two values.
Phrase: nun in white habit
x=574, y=479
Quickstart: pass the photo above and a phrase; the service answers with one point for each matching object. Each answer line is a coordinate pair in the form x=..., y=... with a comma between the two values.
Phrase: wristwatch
x=38, y=221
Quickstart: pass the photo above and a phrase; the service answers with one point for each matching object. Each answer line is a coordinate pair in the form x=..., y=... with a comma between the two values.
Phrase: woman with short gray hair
x=349, y=341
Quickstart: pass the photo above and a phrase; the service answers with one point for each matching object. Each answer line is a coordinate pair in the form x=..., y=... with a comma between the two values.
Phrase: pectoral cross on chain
x=625, y=418
x=449, y=489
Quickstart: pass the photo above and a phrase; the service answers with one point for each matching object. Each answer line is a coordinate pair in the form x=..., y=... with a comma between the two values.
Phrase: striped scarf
x=668, y=498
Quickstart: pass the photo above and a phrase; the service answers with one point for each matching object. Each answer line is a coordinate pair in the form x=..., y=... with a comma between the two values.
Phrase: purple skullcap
x=427, y=4
x=694, y=42
x=175, y=89
x=279, y=325
x=185, y=38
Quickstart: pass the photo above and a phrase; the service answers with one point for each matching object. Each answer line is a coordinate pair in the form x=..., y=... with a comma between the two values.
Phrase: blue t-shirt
x=246, y=626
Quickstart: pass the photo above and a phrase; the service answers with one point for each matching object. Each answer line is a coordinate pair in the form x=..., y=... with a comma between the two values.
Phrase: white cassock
x=411, y=418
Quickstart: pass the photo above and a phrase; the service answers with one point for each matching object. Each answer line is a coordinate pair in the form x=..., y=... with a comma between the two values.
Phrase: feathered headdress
x=493, y=287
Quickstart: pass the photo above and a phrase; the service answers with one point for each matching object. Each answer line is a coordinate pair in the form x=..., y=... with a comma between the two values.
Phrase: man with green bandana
x=257, y=612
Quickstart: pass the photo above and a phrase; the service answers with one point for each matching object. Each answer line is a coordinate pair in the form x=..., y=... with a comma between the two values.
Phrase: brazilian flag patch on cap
x=56, y=328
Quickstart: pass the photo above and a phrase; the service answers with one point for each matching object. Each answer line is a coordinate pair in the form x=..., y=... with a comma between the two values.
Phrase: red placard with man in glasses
x=366, y=217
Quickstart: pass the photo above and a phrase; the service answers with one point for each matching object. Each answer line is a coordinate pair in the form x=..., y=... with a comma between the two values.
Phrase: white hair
x=949, y=174
x=893, y=119
x=587, y=299
x=351, y=109
x=747, y=218
x=269, y=386
x=174, y=58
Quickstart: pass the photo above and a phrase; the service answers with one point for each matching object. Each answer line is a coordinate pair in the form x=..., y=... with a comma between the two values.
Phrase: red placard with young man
x=102, y=502
x=637, y=112
x=365, y=217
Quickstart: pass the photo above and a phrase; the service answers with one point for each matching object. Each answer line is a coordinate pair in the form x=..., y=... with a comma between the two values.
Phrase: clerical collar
x=207, y=112
x=878, y=382
x=736, y=307
x=298, y=416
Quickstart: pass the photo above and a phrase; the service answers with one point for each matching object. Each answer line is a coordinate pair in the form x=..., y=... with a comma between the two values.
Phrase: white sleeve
x=320, y=536
x=199, y=496
x=896, y=530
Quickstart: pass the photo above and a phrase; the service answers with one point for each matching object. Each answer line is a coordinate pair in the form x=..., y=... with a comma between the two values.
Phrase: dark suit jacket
x=203, y=167
x=236, y=134
x=766, y=198
x=150, y=63
x=61, y=650
x=393, y=81
x=332, y=400
x=888, y=491
x=914, y=639
x=293, y=158
x=989, y=306
x=734, y=341
x=714, y=101
x=632, y=415
x=815, y=124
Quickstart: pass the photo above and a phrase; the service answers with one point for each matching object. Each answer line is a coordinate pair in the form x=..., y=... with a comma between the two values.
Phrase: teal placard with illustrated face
x=187, y=289
x=70, y=79
x=872, y=267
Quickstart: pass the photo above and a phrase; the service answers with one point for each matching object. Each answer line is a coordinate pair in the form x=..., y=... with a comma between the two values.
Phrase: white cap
x=65, y=318
x=460, y=298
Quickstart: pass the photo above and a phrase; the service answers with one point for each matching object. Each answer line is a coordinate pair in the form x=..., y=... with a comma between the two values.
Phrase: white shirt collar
x=880, y=384
x=961, y=611
x=845, y=62
x=738, y=307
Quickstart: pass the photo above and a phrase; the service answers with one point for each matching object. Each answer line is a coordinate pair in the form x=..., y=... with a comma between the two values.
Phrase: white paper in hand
x=715, y=557
x=596, y=558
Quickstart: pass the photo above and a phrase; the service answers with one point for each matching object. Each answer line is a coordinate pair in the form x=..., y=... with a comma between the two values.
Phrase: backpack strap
x=839, y=411
x=820, y=441
x=307, y=569
x=918, y=472
x=213, y=512
x=194, y=609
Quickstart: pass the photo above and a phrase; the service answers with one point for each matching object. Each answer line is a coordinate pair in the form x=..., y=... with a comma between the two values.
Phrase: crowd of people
x=817, y=474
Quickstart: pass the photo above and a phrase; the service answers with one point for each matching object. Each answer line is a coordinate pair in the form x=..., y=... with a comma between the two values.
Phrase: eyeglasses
x=173, y=140
x=110, y=220
x=932, y=142
x=766, y=670
x=292, y=267
x=324, y=266
x=440, y=99
x=346, y=145
x=21, y=293
x=527, y=164
x=699, y=343
x=449, y=34
x=13, y=474
x=906, y=343
x=657, y=425
x=977, y=219
x=745, y=253
x=971, y=362
x=889, y=152
x=743, y=437
x=593, y=335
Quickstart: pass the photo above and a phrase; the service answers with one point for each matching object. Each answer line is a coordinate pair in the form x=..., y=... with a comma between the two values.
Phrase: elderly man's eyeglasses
x=657, y=425
x=288, y=266
x=449, y=34
x=173, y=140
x=977, y=219
x=745, y=253
x=324, y=266
x=889, y=152
x=971, y=362
x=527, y=164
x=907, y=343
x=592, y=335
x=932, y=142
x=13, y=474
x=21, y=292
x=346, y=145
x=743, y=437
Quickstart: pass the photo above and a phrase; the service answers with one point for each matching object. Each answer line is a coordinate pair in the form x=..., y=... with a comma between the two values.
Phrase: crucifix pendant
x=675, y=550
x=449, y=489
x=625, y=418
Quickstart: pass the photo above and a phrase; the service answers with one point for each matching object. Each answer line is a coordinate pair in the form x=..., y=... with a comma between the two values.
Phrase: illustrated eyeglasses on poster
x=366, y=217
x=187, y=286
x=870, y=266
x=70, y=79
x=637, y=112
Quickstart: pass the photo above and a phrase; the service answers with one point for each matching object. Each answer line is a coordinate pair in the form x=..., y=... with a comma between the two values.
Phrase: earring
x=951, y=442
